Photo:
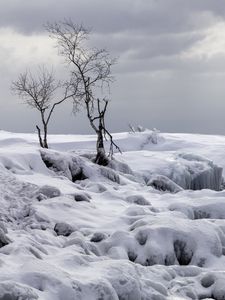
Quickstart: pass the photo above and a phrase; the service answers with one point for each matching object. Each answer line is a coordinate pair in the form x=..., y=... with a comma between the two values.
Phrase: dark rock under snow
x=63, y=229
x=81, y=197
x=49, y=191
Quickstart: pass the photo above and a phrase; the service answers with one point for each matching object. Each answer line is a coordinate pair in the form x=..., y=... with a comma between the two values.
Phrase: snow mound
x=13, y=291
x=163, y=183
x=120, y=167
x=213, y=210
x=75, y=167
x=49, y=191
x=134, y=229
x=166, y=240
x=175, y=171
x=194, y=172
x=71, y=166
x=137, y=199
x=200, y=173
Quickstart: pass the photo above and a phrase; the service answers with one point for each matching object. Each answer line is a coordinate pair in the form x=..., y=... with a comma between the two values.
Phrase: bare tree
x=91, y=71
x=38, y=91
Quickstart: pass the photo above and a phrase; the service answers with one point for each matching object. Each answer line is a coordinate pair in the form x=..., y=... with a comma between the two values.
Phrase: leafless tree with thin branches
x=39, y=92
x=90, y=69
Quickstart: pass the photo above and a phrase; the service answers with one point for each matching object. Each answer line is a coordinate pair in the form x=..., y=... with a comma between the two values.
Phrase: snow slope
x=151, y=225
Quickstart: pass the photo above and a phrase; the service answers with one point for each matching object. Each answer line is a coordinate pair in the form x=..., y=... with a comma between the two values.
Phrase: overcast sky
x=171, y=61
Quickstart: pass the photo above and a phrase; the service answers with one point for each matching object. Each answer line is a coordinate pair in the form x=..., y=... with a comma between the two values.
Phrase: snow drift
x=150, y=225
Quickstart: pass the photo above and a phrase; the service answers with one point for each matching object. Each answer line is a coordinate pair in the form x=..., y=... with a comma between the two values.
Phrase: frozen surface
x=151, y=225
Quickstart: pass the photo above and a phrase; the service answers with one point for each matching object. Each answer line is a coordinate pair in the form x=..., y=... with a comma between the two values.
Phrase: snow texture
x=150, y=225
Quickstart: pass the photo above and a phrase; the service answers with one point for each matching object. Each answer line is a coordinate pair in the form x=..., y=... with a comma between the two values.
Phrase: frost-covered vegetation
x=149, y=225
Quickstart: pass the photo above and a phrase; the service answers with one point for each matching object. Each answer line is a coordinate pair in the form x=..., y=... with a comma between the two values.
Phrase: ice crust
x=150, y=225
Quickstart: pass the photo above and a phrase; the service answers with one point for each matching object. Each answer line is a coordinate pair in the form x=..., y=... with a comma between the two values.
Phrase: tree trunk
x=39, y=137
x=101, y=158
x=45, y=143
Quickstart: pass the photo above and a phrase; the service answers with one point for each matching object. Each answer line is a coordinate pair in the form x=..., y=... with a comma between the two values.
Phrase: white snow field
x=151, y=225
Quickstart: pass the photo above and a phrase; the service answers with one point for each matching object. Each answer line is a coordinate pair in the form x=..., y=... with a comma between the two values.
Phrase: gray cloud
x=169, y=67
x=152, y=16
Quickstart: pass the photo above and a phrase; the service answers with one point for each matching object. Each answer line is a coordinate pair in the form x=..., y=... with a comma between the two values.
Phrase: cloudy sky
x=171, y=61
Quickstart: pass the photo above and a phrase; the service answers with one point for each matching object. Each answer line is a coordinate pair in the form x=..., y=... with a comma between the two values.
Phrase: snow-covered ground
x=151, y=225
